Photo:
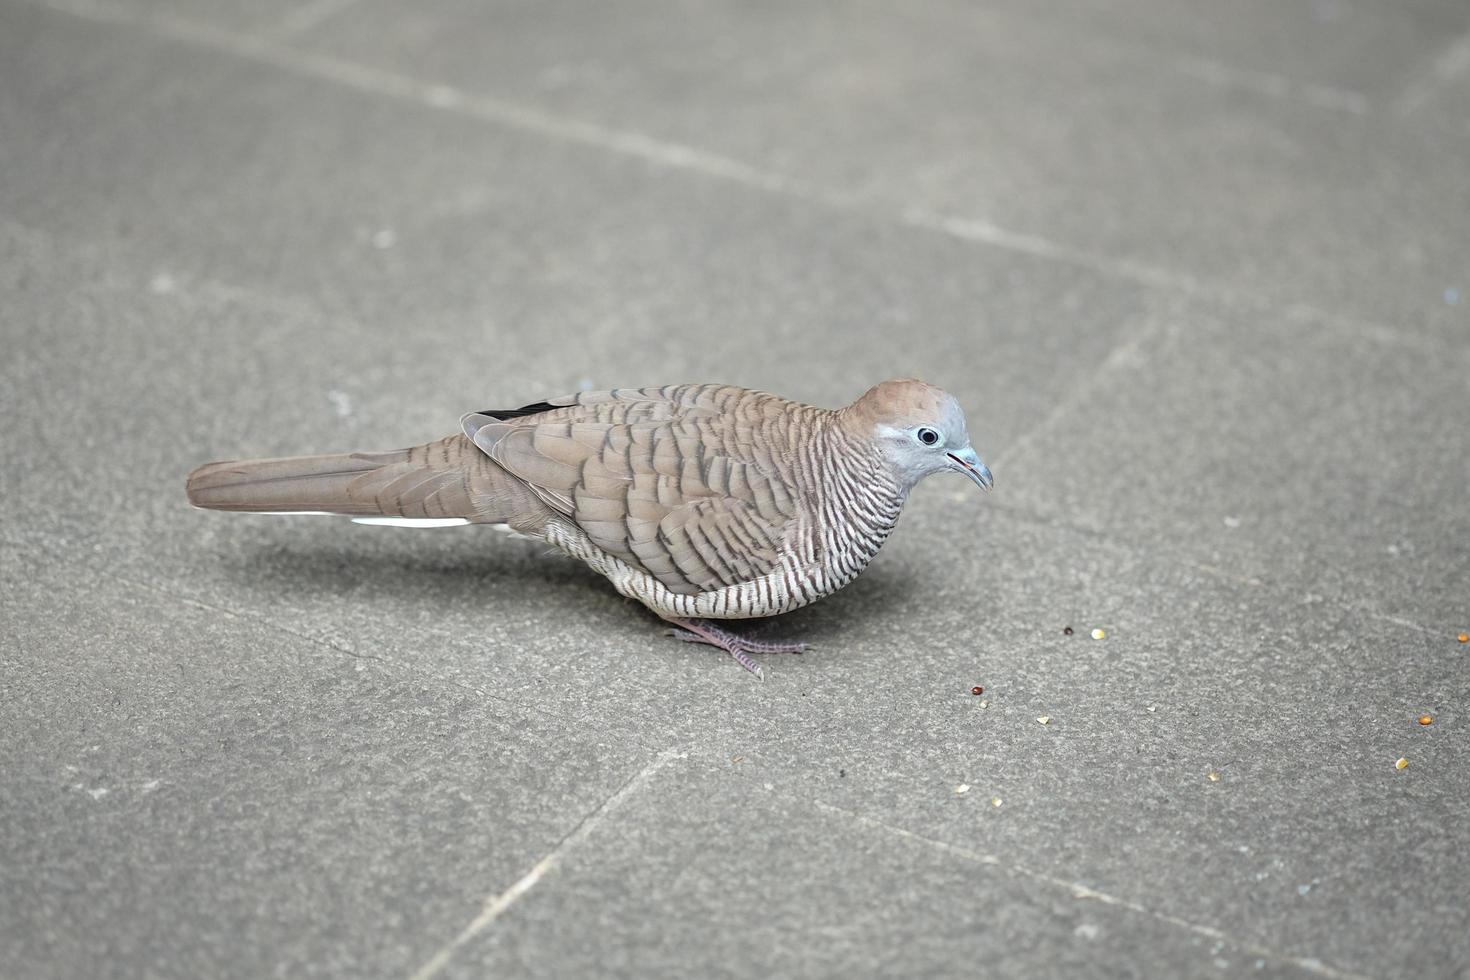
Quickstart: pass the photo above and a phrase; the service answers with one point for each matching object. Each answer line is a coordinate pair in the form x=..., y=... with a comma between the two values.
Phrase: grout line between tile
x=1084, y=892
x=496, y=905
x=1272, y=85
x=988, y=233
x=309, y=15
x=1122, y=355
x=1451, y=63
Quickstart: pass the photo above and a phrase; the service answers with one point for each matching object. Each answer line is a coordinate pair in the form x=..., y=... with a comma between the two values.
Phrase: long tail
x=449, y=481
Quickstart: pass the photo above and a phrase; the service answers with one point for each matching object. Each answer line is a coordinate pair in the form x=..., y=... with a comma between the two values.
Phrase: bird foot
x=739, y=647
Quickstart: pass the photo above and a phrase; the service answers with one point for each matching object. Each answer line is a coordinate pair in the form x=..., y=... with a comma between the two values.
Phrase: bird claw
x=748, y=664
x=738, y=647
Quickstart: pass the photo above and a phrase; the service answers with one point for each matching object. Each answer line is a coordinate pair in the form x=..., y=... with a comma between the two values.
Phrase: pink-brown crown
x=899, y=403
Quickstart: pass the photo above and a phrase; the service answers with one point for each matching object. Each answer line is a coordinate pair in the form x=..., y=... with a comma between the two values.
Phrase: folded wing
x=677, y=481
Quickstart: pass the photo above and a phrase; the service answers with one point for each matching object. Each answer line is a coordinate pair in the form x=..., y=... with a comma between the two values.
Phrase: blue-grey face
x=933, y=441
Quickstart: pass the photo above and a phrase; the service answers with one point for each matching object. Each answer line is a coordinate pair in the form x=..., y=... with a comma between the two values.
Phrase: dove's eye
x=928, y=436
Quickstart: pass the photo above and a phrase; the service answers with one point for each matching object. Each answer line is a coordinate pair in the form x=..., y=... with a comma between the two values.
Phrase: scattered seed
x=977, y=689
x=1463, y=637
x=1044, y=719
x=1401, y=764
x=1098, y=634
x=737, y=758
x=984, y=704
x=995, y=801
x=1067, y=630
x=1213, y=776
x=1426, y=720
x=962, y=789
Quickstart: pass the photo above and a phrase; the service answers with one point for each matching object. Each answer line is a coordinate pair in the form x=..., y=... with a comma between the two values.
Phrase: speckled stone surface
x=1198, y=273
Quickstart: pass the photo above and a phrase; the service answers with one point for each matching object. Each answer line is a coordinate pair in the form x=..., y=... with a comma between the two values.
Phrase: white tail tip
x=411, y=521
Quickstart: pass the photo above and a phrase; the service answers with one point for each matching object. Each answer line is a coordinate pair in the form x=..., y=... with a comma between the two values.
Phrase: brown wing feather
x=674, y=480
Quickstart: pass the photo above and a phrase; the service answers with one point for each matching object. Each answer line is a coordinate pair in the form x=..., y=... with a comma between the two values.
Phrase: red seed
x=977, y=690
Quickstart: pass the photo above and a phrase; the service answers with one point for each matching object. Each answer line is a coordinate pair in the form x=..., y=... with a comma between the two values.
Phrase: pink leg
x=703, y=631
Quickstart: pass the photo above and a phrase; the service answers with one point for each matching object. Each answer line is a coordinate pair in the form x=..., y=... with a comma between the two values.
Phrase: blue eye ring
x=927, y=436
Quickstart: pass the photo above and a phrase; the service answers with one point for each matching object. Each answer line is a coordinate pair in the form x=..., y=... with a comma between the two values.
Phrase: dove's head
x=920, y=429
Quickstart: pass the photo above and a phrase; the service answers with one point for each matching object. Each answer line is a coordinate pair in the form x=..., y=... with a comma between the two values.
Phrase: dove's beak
x=969, y=463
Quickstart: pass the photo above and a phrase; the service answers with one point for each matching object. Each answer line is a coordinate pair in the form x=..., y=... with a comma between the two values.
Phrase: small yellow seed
x=1426, y=720
x=962, y=789
x=1214, y=777
x=1401, y=764
x=1044, y=719
x=995, y=801
x=1463, y=637
x=1099, y=634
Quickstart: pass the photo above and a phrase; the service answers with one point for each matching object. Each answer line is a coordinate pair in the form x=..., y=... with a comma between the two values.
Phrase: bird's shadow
x=436, y=575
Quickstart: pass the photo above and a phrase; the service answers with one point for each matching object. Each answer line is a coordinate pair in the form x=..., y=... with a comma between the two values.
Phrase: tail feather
x=331, y=484
x=445, y=479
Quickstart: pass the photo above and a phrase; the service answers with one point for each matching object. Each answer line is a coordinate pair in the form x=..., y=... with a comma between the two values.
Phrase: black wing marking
x=536, y=408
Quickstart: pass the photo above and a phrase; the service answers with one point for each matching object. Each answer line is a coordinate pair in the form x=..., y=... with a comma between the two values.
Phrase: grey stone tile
x=1368, y=47
x=192, y=794
x=1320, y=460
x=357, y=735
x=987, y=117
x=708, y=875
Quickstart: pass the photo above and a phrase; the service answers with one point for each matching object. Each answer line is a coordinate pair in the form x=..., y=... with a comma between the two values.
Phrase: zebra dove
x=701, y=501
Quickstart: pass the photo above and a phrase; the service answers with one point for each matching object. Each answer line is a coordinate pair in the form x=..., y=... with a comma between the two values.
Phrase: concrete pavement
x=1197, y=272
